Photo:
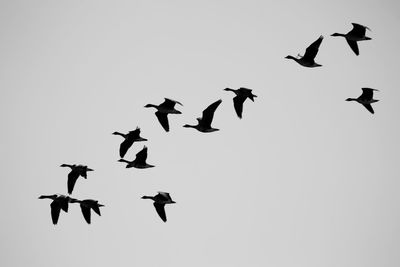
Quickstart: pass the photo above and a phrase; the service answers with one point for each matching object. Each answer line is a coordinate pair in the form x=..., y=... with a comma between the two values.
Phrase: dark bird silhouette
x=140, y=160
x=160, y=200
x=308, y=59
x=366, y=98
x=241, y=95
x=60, y=202
x=355, y=35
x=130, y=138
x=86, y=206
x=76, y=171
x=165, y=108
x=204, y=123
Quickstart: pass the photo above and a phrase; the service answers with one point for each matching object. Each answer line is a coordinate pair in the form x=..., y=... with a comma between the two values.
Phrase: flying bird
x=60, y=202
x=165, y=108
x=76, y=171
x=241, y=95
x=308, y=59
x=130, y=138
x=140, y=161
x=355, y=35
x=86, y=206
x=366, y=98
x=204, y=123
x=160, y=200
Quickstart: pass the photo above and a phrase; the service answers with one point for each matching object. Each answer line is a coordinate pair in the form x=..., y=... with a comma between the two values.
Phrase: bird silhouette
x=86, y=206
x=160, y=200
x=355, y=35
x=366, y=99
x=76, y=171
x=165, y=108
x=60, y=202
x=204, y=123
x=308, y=59
x=241, y=95
x=139, y=162
x=130, y=138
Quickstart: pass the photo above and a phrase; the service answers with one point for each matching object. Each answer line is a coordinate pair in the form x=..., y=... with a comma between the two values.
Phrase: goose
x=140, y=161
x=130, y=138
x=160, y=200
x=355, y=35
x=308, y=59
x=204, y=123
x=241, y=95
x=165, y=108
x=86, y=206
x=60, y=202
x=366, y=98
x=76, y=171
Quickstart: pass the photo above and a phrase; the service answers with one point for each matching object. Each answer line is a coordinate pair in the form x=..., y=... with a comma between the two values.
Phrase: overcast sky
x=305, y=179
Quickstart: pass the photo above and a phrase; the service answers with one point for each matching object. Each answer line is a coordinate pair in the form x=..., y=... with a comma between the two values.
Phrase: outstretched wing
x=208, y=113
x=125, y=145
x=169, y=103
x=163, y=119
x=238, y=104
x=160, y=210
x=358, y=30
x=55, y=211
x=369, y=107
x=86, y=212
x=72, y=177
x=141, y=156
x=354, y=46
x=367, y=94
x=312, y=49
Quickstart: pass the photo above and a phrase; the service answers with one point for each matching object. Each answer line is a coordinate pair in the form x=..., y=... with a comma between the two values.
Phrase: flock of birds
x=61, y=202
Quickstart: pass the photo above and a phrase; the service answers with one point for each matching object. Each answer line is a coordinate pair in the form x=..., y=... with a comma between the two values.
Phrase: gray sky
x=304, y=179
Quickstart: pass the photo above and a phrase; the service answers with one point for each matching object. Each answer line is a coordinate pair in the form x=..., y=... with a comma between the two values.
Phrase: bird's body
x=76, y=171
x=165, y=108
x=355, y=35
x=87, y=205
x=139, y=162
x=241, y=95
x=308, y=59
x=160, y=200
x=60, y=202
x=366, y=99
x=204, y=123
x=130, y=138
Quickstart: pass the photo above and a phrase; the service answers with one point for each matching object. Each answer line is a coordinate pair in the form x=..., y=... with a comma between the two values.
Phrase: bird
x=355, y=35
x=160, y=200
x=76, y=171
x=140, y=161
x=241, y=95
x=308, y=59
x=366, y=98
x=60, y=202
x=86, y=206
x=130, y=138
x=165, y=108
x=204, y=123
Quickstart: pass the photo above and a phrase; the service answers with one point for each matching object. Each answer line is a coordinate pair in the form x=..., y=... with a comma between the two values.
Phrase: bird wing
x=312, y=49
x=208, y=113
x=367, y=94
x=163, y=119
x=369, y=107
x=141, y=156
x=72, y=177
x=169, y=103
x=358, y=30
x=164, y=195
x=63, y=202
x=86, y=212
x=354, y=46
x=238, y=104
x=96, y=209
x=160, y=210
x=55, y=211
x=125, y=145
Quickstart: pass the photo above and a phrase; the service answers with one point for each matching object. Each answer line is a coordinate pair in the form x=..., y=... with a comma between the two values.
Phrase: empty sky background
x=305, y=179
